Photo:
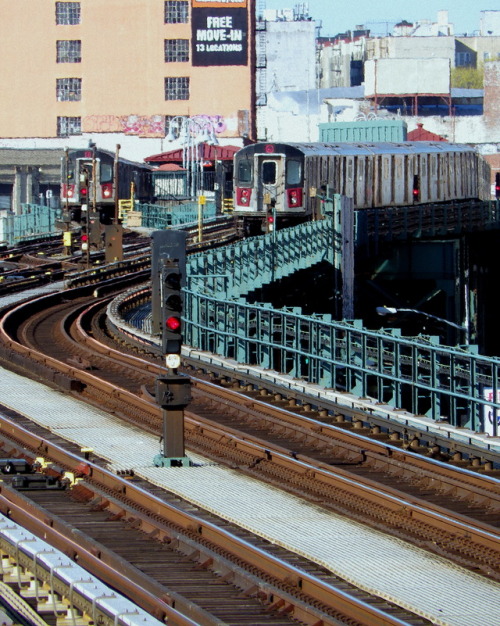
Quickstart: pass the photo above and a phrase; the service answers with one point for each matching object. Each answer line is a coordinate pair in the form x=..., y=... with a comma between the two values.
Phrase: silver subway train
x=82, y=189
x=282, y=181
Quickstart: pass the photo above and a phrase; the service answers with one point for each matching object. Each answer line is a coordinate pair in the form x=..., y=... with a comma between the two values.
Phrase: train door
x=270, y=183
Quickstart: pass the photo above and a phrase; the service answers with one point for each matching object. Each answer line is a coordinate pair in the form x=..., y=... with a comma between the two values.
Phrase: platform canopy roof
x=207, y=152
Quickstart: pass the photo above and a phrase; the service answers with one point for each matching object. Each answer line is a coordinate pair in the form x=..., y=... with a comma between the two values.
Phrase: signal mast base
x=170, y=461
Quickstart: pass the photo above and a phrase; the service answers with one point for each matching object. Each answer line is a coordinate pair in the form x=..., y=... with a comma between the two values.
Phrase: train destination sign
x=219, y=36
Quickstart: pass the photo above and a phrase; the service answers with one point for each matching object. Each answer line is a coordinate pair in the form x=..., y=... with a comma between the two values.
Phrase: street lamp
x=388, y=310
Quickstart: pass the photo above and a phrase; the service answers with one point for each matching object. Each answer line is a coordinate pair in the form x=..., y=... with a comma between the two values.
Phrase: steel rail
x=156, y=604
x=159, y=513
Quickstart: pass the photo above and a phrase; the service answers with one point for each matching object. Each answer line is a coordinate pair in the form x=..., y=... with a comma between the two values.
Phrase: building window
x=69, y=51
x=177, y=88
x=69, y=126
x=69, y=89
x=463, y=58
x=67, y=12
x=176, y=11
x=176, y=50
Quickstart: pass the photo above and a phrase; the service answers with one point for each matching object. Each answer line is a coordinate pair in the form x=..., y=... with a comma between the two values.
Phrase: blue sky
x=337, y=17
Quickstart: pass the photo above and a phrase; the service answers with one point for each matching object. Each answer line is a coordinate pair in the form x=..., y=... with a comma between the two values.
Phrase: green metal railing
x=35, y=221
x=415, y=374
x=238, y=269
x=157, y=216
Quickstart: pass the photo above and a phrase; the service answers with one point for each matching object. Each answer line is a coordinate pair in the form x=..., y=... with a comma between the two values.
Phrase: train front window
x=269, y=173
x=293, y=173
x=245, y=172
x=106, y=173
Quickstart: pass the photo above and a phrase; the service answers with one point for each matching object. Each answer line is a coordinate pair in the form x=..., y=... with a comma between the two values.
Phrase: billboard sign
x=219, y=33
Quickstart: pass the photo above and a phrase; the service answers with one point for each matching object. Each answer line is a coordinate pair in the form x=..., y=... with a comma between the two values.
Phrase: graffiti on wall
x=144, y=125
x=140, y=125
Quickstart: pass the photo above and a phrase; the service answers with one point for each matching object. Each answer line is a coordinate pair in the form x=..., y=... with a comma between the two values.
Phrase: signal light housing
x=171, y=310
x=497, y=185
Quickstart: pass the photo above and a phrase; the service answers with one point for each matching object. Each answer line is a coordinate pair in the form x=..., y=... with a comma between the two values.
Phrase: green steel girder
x=254, y=262
x=415, y=374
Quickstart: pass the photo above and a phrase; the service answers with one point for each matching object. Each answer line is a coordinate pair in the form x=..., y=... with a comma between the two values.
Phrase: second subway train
x=82, y=191
x=279, y=180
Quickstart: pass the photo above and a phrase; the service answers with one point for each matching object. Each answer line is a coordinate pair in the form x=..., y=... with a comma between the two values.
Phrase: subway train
x=282, y=181
x=81, y=190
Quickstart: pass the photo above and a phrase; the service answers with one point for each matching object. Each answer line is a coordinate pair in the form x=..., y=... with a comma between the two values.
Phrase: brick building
x=118, y=71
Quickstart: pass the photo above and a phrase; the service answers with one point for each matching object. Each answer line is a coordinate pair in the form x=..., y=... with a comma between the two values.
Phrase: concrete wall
x=336, y=63
x=492, y=95
x=407, y=76
x=291, y=55
x=489, y=23
x=411, y=48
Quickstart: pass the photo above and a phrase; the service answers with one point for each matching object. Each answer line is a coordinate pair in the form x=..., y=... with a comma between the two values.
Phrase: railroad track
x=179, y=557
x=470, y=499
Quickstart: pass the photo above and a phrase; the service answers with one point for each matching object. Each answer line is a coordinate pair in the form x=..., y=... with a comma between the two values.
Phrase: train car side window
x=269, y=173
x=106, y=172
x=245, y=171
x=293, y=172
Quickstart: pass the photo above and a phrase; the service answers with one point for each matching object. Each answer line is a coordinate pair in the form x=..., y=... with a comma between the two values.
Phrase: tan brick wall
x=122, y=70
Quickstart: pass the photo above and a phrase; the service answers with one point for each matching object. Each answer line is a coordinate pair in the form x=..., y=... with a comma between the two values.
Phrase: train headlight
x=294, y=197
x=107, y=190
x=243, y=196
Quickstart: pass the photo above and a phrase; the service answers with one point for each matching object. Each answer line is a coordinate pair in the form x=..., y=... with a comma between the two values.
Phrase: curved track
x=345, y=471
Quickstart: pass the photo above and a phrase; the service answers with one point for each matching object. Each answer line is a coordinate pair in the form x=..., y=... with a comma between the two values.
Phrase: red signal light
x=85, y=238
x=416, y=188
x=83, y=191
x=270, y=219
x=172, y=323
x=497, y=186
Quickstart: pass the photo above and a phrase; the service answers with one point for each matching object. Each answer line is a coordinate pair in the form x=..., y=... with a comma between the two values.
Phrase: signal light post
x=173, y=390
